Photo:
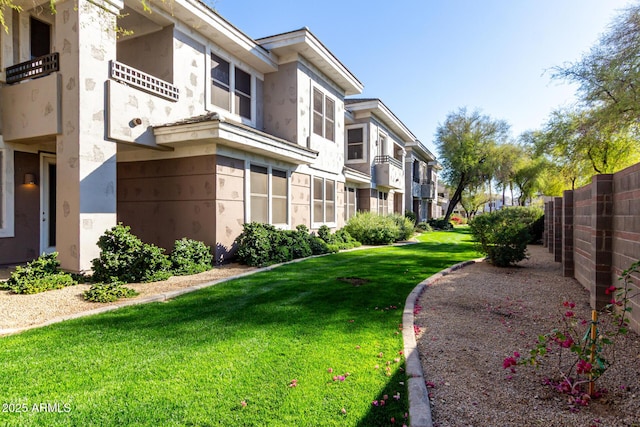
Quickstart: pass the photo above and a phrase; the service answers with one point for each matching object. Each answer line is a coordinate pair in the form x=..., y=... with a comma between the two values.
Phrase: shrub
x=440, y=224
x=190, y=257
x=108, y=292
x=254, y=243
x=457, y=219
x=318, y=246
x=39, y=275
x=412, y=216
x=373, y=229
x=125, y=258
x=503, y=235
x=341, y=239
x=405, y=227
x=536, y=230
x=423, y=227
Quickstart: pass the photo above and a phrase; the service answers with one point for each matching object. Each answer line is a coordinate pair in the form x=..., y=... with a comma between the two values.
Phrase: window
x=220, y=82
x=355, y=144
x=40, y=33
x=259, y=194
x=268, y=202
x=349, y=202
x=324, y=115
x=382, y=145
x=243, y=94
x=324, y=200
x=383, y=203
x=279, y=197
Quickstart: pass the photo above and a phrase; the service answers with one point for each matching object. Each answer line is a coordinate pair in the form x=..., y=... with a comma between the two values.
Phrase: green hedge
x=39, y=275
x=372, y=229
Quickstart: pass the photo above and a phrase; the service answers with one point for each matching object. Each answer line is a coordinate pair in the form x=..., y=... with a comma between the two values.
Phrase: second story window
x=324, y=115
x=243, y=94
x=40, y=33
x=355, y=143
x=220, y=80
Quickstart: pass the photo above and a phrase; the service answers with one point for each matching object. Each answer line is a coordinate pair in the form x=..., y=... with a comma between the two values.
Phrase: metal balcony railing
x=379, y=160
x=143, y=81
x=36, y=67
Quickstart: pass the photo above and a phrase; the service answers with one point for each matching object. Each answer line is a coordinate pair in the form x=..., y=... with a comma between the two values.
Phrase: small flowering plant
x=584, y=349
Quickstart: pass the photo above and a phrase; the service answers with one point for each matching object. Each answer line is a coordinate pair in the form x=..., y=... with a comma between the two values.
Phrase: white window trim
x=382, y=149
x=365, y=143
x=247, y=191
x=7, y=195
x=346, y=201
x=325, y=95
x=333, y=222
x=210, y=106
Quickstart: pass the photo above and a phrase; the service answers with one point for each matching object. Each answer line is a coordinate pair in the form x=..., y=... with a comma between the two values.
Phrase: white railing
x=143, y=81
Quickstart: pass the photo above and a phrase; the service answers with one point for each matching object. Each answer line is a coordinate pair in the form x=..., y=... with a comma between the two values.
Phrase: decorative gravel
x=474, y=318
x=20, y=311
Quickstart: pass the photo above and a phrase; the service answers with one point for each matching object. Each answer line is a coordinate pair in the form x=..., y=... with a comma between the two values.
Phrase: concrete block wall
x=599, y=237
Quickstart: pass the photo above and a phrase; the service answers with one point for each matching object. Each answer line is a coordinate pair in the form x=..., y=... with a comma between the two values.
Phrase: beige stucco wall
x=300, y=199
x=230, y=210
x=151, y=53
x=280, y=103
x=31, y=109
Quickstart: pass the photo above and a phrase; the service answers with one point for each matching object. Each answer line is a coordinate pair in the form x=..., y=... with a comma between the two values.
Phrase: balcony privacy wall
x=595, y=232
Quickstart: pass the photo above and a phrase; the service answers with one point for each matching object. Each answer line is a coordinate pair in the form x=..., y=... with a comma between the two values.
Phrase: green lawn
x=228, y=355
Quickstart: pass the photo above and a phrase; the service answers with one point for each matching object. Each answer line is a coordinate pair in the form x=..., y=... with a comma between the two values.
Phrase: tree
x=465, y=141
x=609, y=75
x=526, y=177
x=473, y=198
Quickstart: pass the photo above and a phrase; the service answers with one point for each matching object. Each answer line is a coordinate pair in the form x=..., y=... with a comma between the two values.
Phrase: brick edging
x=419, y=406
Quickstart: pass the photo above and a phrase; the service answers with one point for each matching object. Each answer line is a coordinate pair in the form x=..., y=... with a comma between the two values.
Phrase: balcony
x=389, y=172
x=38, y=67
x=142, y=81
x=31, y=109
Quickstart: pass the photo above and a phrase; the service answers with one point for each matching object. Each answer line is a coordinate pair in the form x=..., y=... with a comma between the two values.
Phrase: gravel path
x=475, y=317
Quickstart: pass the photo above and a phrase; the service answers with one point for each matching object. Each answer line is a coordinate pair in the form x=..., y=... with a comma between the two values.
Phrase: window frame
x=383, y=207
x=235, y=94
x=6, y=193
x=364, y=143
x=323, y=200
x=322, y=115
x=348, y=214
x=269, y=196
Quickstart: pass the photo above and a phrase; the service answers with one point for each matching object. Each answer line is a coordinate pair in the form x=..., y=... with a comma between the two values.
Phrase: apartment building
x=179, y=126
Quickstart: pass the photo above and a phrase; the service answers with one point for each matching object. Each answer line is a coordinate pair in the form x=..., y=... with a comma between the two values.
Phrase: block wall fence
x=594, y=231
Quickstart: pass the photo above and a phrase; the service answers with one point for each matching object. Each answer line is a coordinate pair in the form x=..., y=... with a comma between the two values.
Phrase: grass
x=197, y=360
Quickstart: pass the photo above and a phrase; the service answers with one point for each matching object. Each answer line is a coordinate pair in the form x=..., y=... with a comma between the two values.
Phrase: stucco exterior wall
x=330, y=153
x=166, y=200
x=151, y=53
x=25, y=245
x=229, y=212
x=31, y=109
x=300, y=199
x=280, y=103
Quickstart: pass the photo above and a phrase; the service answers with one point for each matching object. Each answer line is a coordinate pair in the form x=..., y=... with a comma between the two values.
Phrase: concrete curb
x=419, y=407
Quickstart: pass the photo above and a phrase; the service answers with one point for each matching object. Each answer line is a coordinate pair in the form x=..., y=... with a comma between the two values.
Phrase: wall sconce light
x=135, y=122
x=29, y=179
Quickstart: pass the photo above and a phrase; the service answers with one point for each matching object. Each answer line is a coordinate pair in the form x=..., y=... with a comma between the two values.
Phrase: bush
x=424, y=227
x=125, y=258
x=503, y=235
x=536, y=230
x=440, y=224
x=412, y=216
x=39, y=275
x=190, y=257
x=373, y=229
x=108, y=292
x=341, y=239
x=457, y=219
x=405, y=227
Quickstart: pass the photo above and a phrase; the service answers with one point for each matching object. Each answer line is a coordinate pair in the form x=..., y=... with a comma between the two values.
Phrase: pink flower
x=330, y=370
x=509, y=362
x=385, y=397
x=516, y=354
x=611, y=289
x=374, y=403
x=243, y=403
x=583, y=367
x=569, y=314
x=393, y=420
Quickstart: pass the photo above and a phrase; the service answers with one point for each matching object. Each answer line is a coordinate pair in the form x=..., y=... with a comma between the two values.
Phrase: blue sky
x=426, y=58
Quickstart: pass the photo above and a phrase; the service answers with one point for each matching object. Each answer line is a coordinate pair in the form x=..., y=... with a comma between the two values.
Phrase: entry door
x=47, y=203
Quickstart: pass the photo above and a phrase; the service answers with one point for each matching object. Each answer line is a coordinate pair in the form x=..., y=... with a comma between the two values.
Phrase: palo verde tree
x=465, y=142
